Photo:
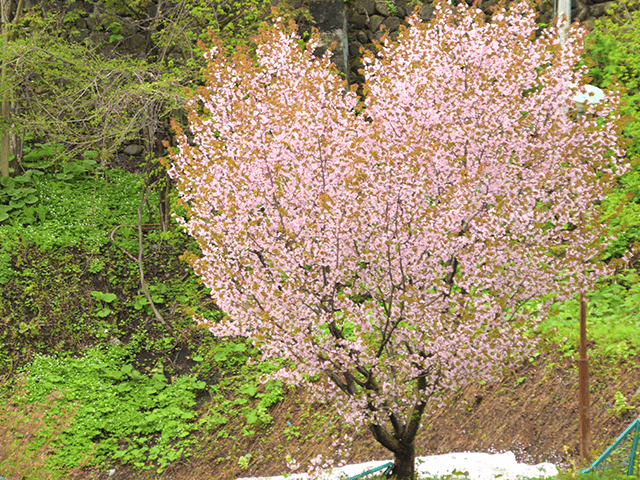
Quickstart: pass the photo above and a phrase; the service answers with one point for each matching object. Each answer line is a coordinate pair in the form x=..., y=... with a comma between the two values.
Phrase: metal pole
x=583, y=372
x=634, y=447
x=564, y=17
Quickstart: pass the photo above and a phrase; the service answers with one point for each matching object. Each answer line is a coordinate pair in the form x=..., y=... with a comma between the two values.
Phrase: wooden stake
x=583, y=370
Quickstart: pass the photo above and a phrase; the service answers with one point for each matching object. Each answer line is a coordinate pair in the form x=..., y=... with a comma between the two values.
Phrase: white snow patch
x=478, y=466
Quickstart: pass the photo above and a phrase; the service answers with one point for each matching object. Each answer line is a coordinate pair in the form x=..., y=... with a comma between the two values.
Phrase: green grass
x=613, y=318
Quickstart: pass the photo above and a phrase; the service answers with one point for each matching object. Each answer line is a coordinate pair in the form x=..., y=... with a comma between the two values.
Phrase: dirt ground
x=533, y=412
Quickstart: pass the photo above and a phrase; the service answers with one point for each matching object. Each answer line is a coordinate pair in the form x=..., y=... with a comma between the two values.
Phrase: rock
x=366, y=7
x=487, y=6
x=331, y=20
x=98, y=38
x=152, y=10
x=581, y=12
x=335, y=41
x=375, y=22
x=133, y=150
x=599, y=9
x=98, y=9
x=410, y=9
x=358, y=22
x=391, y=24
x=427, y=12
x=92, y=22
x=129, y=27
x=545, y=18
x=402, y=13
x=357, y=65
x=362, y=37
x=329, y=15
x=354, y=49
x=81, y=35
x=137, y=42
x=78, y=6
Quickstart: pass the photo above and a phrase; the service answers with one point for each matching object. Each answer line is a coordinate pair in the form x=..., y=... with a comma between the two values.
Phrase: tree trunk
x=5, y=136
x=404, y=463
x=6, y=7
x=5, y=113
x=401, y=441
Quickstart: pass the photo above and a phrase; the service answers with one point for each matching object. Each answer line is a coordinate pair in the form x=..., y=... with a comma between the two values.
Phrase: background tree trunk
x=4, y=108
x=6, y=9
x=6, y=121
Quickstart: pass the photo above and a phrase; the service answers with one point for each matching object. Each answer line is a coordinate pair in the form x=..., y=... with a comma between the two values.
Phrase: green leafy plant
x=6, y=272
x=18, y=197
x=240, y=389
x=614, y=53
x=96, y=265
x=616, y=60
x=104, y=300
x=82, y=210
x=73, y=169
x=621, y=404
x=115, y=29
x=244, y=460
x=391, y=6
x=121, y=414
x=230, y=354
x=41, y=155
x=157, y=295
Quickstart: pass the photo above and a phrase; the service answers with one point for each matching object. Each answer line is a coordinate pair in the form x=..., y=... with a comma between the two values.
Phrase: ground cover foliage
x=72, y=302
x=69, y=223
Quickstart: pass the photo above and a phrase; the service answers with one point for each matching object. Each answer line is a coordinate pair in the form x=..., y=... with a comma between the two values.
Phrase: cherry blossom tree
x=395, y=247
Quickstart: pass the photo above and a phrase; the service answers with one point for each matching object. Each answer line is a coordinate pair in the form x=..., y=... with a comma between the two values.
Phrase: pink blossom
x=395, y=246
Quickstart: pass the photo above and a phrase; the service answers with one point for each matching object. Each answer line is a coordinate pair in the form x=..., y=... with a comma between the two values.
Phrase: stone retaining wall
x=345, y=27
x=367, y=20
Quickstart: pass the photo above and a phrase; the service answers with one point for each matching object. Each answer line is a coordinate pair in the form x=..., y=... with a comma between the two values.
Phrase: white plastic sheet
x=477, y=466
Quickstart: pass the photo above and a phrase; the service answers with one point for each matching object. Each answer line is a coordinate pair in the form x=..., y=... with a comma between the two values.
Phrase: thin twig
x=111, y=236
x=142, y=282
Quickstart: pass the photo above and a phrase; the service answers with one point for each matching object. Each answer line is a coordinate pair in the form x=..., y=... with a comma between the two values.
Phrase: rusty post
x=583, y=371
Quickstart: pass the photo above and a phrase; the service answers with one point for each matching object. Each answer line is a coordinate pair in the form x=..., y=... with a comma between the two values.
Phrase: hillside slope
x=533, y=412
